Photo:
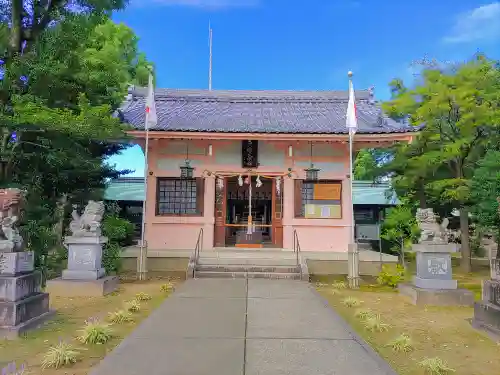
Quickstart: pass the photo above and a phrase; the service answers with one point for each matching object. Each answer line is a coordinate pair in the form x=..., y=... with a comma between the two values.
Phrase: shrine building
x=253, y=169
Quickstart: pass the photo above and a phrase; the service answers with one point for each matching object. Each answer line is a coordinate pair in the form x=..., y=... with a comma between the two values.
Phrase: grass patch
x=435, y=332
x=435, y=366
x=95, y=332
x=60, y=355
x=351, y=301
x=32, y=349
x=374, y=323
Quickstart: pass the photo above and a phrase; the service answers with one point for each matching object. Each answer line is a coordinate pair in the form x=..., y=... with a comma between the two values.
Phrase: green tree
x=400, y=229
x=76, y=73
x=460, y=109
x=485, y=192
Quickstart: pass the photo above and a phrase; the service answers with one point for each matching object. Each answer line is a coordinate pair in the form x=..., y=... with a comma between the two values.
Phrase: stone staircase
x=248, y=263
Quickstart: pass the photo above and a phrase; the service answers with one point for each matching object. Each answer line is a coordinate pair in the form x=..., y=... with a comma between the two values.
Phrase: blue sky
x=303, y=45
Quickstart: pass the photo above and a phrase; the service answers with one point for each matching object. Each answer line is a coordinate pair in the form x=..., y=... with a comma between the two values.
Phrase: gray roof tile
x=225, y=111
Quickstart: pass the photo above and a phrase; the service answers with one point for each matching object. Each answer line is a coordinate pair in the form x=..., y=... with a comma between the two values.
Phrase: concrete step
x=270, y=262
x=247, y=275
x=247, y=268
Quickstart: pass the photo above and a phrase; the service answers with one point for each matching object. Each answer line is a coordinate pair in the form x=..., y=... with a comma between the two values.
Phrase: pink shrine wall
x=224, y=156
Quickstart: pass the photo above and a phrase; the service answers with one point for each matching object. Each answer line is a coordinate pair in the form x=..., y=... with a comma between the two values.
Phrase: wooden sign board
x=327, y=192
x=249, y=154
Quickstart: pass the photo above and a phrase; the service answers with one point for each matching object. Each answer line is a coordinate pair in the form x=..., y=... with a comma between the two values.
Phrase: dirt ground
x=443, y=332
x=70, y=317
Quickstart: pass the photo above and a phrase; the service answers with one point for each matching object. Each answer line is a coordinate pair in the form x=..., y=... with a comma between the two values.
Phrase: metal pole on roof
x=210, y=56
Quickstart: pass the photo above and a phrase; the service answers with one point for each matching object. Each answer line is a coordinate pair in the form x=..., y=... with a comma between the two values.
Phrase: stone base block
x=82, y=288
x=450, y=297
x=487, y=318
x=14, y=288
x=15, y=313
x=83, y=274
x=10, y=333
x=17, y=263
x=438, y=284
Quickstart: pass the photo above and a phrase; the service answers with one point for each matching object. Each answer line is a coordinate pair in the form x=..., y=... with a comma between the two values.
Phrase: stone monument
x=433, y=283
x=487, y=311
x=22, y=304
x=85, y=275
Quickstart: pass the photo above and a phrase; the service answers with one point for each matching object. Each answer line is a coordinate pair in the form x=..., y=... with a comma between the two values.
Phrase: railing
x=197, y=249
x=296, y=250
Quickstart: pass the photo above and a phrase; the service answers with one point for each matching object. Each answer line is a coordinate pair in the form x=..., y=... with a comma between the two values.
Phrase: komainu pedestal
x=22, y=304
x=487, y=311
x=433, y=283
x=85, y=275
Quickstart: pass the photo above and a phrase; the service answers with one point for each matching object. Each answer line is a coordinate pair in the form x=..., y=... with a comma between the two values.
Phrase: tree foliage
x=459, y=107
x=65, y=69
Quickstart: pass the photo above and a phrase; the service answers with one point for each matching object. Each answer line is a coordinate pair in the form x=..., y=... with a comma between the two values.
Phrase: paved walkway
x=240, y=327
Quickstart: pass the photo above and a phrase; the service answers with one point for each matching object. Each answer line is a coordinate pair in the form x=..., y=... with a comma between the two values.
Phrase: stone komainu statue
x=10, y=201
x=89, y=223
x=431, y=231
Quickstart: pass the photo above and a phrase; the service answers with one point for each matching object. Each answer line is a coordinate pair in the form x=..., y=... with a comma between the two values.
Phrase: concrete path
x=240, y=327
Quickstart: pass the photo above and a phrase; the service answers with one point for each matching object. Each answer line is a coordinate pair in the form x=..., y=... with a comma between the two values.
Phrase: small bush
x=401, y=343
x=12, y=369
x=95, y=332
x=61, y=355
x=167, y=287
x=133, y=306
x=390, y=275
x=120, y=316
x=339, y=285
x=142, y=296
x=374, y=324
x=363, y=313
x=351, y=302
x=435, y=366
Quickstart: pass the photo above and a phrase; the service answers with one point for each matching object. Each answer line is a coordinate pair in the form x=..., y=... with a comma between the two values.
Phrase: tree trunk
x=60, y=210
x=16, y=30
x=465, y=263
x=421, y=196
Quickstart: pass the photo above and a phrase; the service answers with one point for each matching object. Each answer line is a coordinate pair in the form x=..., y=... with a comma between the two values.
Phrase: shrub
x=390, y=275
x=339, y=285
x=401, y=343
x=374, y=324
x=118, y=230
x=435, y=366
x=142, y=296
x=363, y=313
x=167, y=287
x=351, y=302
x=61, y=355
x=120, y=316
x=133, y=306
x=95, y=332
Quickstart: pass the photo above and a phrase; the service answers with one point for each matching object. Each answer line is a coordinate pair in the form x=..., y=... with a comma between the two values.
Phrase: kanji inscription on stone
x=437, y=266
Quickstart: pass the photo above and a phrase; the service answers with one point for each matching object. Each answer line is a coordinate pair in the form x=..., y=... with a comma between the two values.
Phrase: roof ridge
x=364, y=94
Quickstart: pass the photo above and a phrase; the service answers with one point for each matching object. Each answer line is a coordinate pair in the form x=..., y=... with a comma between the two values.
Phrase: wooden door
x=277, y=218
x=220, y=213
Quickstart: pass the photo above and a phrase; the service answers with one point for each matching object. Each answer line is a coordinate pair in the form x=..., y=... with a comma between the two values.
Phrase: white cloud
x=479, y=24
x=211, y=4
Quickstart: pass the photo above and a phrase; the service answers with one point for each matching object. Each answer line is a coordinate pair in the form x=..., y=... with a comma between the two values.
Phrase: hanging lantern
x=312, y=173
x=187, y=170
x=240, y=180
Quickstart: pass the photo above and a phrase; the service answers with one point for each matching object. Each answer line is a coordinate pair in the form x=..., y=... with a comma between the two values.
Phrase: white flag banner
x=351, y=120
x=151, y=118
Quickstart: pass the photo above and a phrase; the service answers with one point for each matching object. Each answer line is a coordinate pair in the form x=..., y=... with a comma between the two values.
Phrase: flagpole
x=143, y=256
x=210, y=57
x=352, y=252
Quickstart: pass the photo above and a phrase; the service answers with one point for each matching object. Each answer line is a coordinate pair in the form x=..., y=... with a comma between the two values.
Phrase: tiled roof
x=364, y=192
x=240, y=111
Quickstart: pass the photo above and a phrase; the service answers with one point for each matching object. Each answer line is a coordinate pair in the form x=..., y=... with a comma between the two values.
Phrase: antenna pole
x=210, y=57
